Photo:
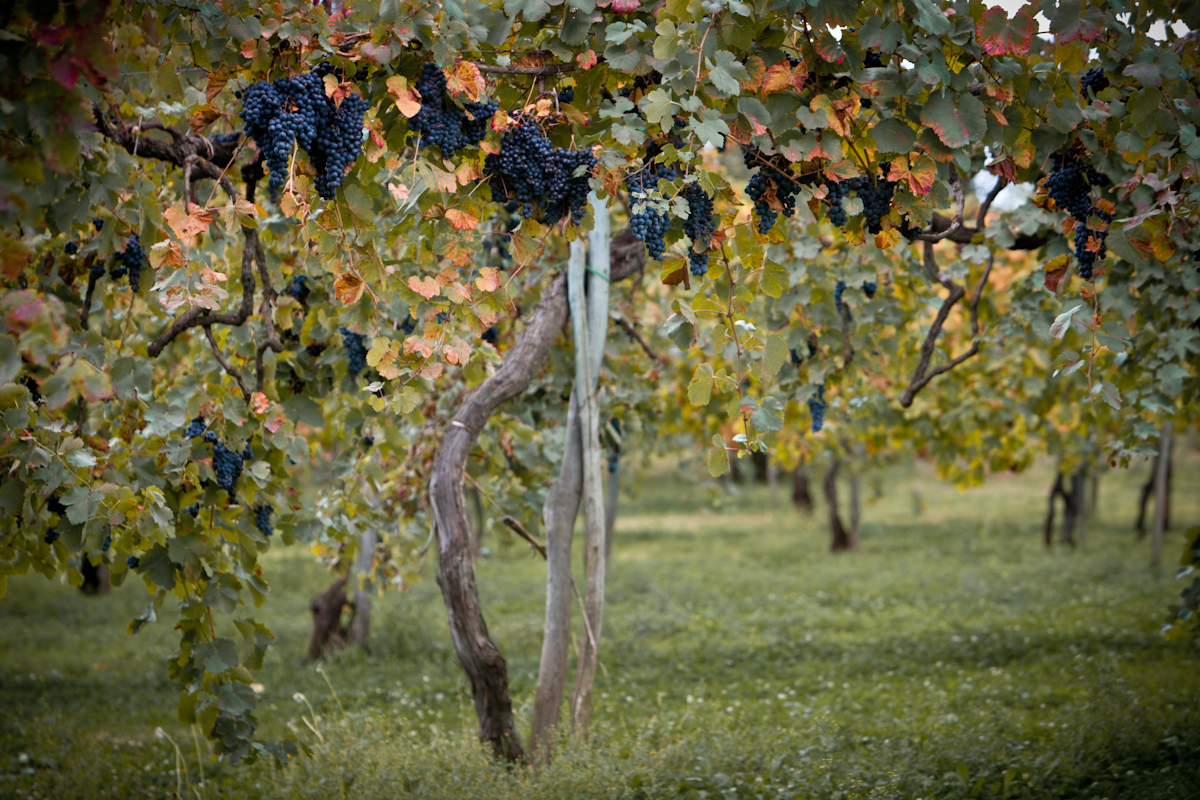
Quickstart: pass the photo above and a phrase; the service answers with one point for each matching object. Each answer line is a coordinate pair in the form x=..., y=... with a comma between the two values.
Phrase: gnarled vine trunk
x=478, y=656
x=841, y=537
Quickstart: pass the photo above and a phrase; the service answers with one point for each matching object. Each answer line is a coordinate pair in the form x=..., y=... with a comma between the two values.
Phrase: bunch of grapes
x=295, y=111
x=193, y=509
x=876, y=198
x=107, y=543
x=1093, y=80
x=698, y=226
x=226, y=463
x=298, y=288
x=51, y=536
x=872, y=59
x=774, y=178
x=646, y=221
x=837, y=296
x=98, y=224
x=837, y=191
x=34, y=392
x=816, y=407
x=262, y=518
x=440, y=122
x=1070, y=187
x=71, y=248
x=227, y=138
x=869, y=288
x=132, y=562
x=535, y=173
x=356, y=351
x=566, y=95
x=131, y=259
x=55, y=506
x=195, y=428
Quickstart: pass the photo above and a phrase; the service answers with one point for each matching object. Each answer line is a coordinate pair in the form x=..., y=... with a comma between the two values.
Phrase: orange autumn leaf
x=348, y=288
x=778, y=78
x=415, y=345
x=919, y=174
x=466, y=79
x=259, y=403
x=407, y=100
x=586, y=60
x=426, y=287
x=457, y=352
x=431, y=371
x=489, y=279
x=462, y=220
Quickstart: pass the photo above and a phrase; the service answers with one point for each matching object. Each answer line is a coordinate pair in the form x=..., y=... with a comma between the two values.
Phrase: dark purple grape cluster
x=193, y=509
x=55, y=505
x=869, y=288
x=34, y=392
x=298, y=288
x=566, y=94
x=872, y=59
x=440, y=122
x=1092, y=82
x=647, y=222
x=226, y=463
x=836, y=192
x=195, y=428
x=549, y=180
x=796, y=358
x=491, y=336
x=98, y=224
x=131, y=259
x=698, y=226
x=876, y=197
x=295, y=111
x=227, y=138
x=409, y=325
x=107, y=543
x=837, y=295
x=1070, y=187
x=773, y=171
x=71, y=248
x=262, y=518
x=97, y=271
x=51, y=536
x=356, y=350
x=816, y=407
x=132, y=562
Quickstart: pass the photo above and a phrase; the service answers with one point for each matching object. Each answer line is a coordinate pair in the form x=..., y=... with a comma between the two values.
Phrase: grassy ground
x=952, y=656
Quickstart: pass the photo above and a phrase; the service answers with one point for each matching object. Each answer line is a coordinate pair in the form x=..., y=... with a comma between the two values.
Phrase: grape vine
x=549, y=182
x=442, y=123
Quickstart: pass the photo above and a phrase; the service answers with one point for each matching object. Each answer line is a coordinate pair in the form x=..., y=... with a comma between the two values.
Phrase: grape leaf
x=919, y=174
x=709, y=127
x=1001, y=36
x=893, y=136
x=718, y=460
x=769, y=416
x=957, y=120
x=775, y=352
x=700, y=389
x=931, y=18
x=1063, y=321
x=726, y=72
x=1072, y=22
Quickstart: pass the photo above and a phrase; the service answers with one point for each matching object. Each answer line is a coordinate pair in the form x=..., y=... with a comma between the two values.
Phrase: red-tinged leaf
x=275, y=423
x=1004, y=169
x=919, y=174
x=956, y=119
x=1072, y=21
x=829, y=48
x=778, y=78
x=65, y=72
x=466, y=79
x=457, y=292
x=461, y=220
x=1001, y=36
x=586, y=60
x=1054, y=278
x=626, y=6
x=426, y=287
x=259, y=403
x=14, y=256
x=457, y=352
x=489, y=279
x=757, y=71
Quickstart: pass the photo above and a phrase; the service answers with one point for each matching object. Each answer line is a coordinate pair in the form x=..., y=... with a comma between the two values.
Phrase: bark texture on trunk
x=328, y=631
x=480, y=659
x=1162, y=495
x=840, y=538
x=801, y=495
x=855, y=510
x=95, y=578
x=1148, y=491
x=364, y=562
x=1074, y=513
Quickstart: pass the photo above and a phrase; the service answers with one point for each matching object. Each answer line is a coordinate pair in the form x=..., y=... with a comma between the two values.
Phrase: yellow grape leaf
x=887, y=238
x=217, y=79
x=426, y=287
x=407, y=100
x=466, y=79
x=457, y=352
x=462, y=220
x=444, y=181
x=468, y=172
x=919, y=174
x=778, y=78
x=204, y=116
x=164, y=253
x=348, y=288
x=489, y=279
x=457, y=292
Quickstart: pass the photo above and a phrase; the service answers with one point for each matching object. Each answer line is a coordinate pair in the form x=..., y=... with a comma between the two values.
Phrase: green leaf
x=217, y=656
x=775, y=352
x=1063, y=321
x=158, y=567
x=893, y=136
x=957, y=120
x=532, y=10
x=718, y=460
x=389, y=10
x=657, y=106
x=1064, y=117
x=700, y=389
x=709, y=127
x=10, y=358
x=769, y=416
x=930, y=18
x=679, y=330
x=726, y=72
x=142, y=620
x=833, y=12
x=1072, y=22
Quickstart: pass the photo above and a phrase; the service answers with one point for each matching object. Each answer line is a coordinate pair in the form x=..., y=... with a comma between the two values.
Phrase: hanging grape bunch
x=298, y=288
x=816, y=407
x=837, y=296
x=227, y=464
x=356, y=351
x=774, y=179
x=294, y=111
x=1070, y=187
x=648, y=222
x=876, y=197
x=1091, y=83
x=442, y=123
x=549, y=182
x=262, y=518
x=698, y=226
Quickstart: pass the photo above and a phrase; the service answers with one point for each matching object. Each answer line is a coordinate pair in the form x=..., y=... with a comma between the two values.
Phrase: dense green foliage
x=953, y=643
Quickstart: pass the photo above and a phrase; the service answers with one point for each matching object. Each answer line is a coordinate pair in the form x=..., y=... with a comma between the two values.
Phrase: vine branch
x=232, y=370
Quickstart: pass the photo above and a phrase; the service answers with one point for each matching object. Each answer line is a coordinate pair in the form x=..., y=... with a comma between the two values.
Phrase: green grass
x=951, y=656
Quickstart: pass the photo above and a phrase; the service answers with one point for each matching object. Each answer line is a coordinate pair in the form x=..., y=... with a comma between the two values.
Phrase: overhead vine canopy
x=248, y=243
